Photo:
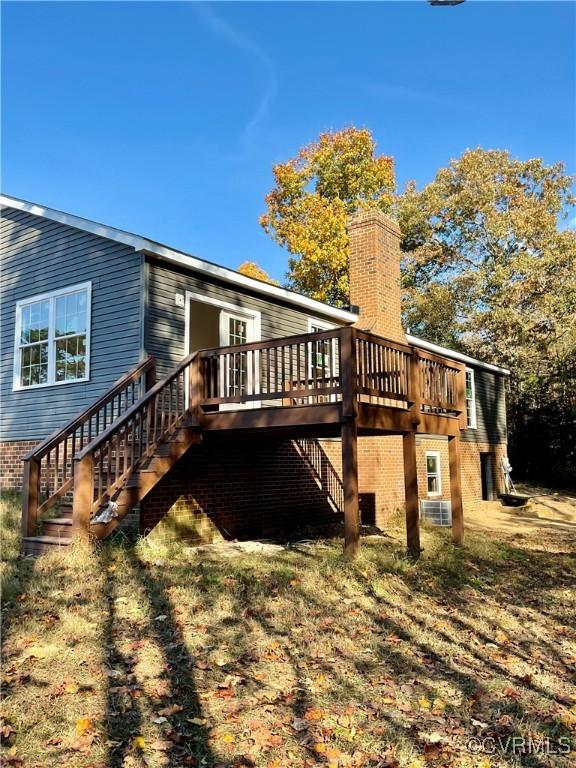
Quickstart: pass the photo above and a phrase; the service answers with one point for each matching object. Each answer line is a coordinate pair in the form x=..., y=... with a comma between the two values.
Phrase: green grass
x=139, y=656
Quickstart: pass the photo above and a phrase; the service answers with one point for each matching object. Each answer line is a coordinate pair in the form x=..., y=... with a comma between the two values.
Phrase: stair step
x=37, y=545
x=58, y=527
x=65, y=511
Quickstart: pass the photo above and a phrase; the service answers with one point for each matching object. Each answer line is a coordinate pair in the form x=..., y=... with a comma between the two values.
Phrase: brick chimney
x=375, y=273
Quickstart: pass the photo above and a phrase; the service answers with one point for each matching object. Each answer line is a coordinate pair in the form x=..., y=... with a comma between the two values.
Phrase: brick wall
x=470, y=472
x=11, y=467
x=380, y=475
x=237, y=488
x=233, y=487
x=375, y=273
x=437, y=445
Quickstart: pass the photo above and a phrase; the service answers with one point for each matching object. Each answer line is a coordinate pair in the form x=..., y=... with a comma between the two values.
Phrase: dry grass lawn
x=292, y=657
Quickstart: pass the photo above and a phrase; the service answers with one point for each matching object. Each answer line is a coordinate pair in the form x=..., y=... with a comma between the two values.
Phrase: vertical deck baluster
x=109, y=460
x=307, y=367
x=100, y=473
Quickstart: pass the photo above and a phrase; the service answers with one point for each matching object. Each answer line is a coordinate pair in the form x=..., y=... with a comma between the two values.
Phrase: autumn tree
x=486, y=262
x=313, y=193
x=490, y=268
x=251, y=269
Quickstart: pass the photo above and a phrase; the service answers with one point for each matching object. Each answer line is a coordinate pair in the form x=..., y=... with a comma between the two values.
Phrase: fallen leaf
x=168, y=711
x=196, y=720
x=139, y=742
x=83, y=726
x=314, y=714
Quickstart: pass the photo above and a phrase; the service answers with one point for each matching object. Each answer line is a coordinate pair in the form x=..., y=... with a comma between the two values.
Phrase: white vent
x=436, y=512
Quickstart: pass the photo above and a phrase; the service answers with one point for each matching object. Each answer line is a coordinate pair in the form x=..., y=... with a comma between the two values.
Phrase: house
x=136, y=376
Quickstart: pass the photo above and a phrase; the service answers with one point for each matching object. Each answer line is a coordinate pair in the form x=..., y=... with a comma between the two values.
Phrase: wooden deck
x=341, y=382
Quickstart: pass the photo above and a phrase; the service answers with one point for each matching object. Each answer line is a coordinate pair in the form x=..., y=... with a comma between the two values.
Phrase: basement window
x=433, y=475
x=52, y=340
x=470, y=399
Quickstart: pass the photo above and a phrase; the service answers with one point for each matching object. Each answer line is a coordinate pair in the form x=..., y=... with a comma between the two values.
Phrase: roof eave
x=183, y=259
x=453, y=355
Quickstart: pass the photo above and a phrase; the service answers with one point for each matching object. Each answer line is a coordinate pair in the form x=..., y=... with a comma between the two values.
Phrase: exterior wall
x=39, y=256
x=11, y=462
x=380, y=475
x=165, y=321
x=490, y=409
x=471, y=476
x=438, y=444
x=237, y=488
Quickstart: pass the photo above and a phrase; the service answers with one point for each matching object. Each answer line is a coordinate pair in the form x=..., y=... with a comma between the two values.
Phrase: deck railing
x=48, y=468
x=441, y=385
x=102, y=467
x=310, y=369
x=96, y=453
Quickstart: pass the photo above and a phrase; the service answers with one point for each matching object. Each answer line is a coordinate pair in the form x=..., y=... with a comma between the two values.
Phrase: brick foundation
x=229, y=487
x=425, y=443
x=11, y=467
x=380, y=475
x=237, y=488
x=470, y=468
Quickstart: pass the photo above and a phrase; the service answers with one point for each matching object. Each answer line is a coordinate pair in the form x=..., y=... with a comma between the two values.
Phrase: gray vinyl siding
x=39, y=256
x=165, y=327
x=490, y=409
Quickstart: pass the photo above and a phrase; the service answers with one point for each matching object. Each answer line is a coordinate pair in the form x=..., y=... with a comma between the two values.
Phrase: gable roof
x=181, y=258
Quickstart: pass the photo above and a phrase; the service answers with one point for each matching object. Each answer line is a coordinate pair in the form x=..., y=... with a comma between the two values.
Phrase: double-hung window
x=433, y=474
x=470, y=399
x=53, y=338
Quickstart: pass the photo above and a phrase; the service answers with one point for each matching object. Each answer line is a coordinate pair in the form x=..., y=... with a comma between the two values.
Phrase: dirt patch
x=546, y=510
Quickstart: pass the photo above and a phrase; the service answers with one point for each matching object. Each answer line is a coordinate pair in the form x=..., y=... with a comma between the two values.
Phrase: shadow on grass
x=182, y=742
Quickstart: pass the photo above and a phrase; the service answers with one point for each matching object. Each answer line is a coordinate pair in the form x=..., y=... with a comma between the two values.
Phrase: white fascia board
x=450, y=353
x=178, y=257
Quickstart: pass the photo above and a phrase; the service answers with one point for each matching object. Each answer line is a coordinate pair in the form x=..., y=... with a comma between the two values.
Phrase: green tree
x=487, y=265
x=313, y=194
x=489, y=268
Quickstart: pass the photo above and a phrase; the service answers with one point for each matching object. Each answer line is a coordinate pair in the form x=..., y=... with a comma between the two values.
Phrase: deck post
x=456, y=490
x=350, y=483
x=83, y=495
x=349, y=432
x=196, y=386
x=150, y=377
x=411, y=494
x=31, y=500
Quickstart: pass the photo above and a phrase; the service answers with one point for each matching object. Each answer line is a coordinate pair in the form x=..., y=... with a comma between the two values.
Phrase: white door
x=236, y=374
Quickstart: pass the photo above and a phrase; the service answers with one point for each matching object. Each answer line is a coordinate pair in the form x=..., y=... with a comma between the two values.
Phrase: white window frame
x=51, y=340
x=227, y=309
x=471, y=412
x=437, y=474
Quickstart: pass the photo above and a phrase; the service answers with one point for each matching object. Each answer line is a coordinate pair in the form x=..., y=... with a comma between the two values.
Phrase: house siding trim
x=150, y=247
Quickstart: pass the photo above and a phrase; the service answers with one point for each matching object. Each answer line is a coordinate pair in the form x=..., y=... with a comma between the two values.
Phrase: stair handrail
x=32, y=507
x=136, y=434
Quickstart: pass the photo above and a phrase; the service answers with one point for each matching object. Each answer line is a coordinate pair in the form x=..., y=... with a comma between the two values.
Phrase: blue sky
x=165, y=118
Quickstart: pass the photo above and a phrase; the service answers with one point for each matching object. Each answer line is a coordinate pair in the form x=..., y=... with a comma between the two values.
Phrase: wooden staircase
x=85, y=478
x=115, y=451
